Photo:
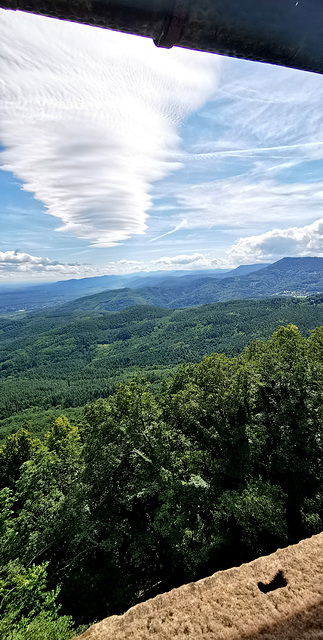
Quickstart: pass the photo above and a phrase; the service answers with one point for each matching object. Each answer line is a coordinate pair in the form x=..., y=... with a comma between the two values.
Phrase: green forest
x=51, y=361
x=159, y=482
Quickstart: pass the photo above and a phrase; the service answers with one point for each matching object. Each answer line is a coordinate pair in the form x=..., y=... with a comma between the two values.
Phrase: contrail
x=220, y=154
x=179, y=226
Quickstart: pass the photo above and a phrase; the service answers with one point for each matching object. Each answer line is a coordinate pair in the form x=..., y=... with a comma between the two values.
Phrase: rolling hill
x=68, y=360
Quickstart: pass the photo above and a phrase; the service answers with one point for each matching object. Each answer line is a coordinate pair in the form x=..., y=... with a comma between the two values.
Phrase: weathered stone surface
x=230, y=605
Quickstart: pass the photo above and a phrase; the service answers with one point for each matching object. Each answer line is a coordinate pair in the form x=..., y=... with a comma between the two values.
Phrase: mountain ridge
x=37, y=296
x=286, y=277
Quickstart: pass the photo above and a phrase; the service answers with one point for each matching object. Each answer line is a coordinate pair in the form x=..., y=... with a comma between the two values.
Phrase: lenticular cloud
x=89, y=119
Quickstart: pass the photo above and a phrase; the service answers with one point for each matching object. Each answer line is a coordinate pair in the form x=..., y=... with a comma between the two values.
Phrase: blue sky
x=117, y=156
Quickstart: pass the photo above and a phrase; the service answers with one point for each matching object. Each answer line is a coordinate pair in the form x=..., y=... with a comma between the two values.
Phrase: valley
x=52, y=358
x=156, y=443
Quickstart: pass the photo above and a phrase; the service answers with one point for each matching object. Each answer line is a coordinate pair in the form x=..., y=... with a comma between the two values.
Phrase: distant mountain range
x=287, y=277
x=33, y=297
x=171, y=289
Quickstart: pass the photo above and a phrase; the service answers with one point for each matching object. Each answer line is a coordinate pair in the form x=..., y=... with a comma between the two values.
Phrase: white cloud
x=19, y=266
x=275, y=244
x=90, y=119
x=194, y=261
x=121, y=267
x=16, y=263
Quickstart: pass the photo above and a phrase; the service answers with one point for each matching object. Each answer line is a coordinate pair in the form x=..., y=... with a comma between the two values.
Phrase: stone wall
x=274, y=597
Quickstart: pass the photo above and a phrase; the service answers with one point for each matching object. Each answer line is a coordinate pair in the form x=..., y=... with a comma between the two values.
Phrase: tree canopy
x=156, y=487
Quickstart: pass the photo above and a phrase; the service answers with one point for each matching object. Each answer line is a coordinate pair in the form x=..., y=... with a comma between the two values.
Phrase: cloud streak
x=240, y=202
x=179, y=226
x=90, y=119
x=257, y=158
x=259, y=150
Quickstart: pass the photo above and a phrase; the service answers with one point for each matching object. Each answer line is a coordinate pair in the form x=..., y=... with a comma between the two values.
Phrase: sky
x=117, y=156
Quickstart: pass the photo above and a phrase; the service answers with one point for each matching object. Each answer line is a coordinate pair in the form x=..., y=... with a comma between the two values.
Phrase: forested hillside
x=155, y=488
x=49, y=360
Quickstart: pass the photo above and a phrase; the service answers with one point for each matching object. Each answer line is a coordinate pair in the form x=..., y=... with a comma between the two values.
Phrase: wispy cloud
x=90, y=119
x=258, y=151
x=251, y=159
x=241, y=202
x=262, y=106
